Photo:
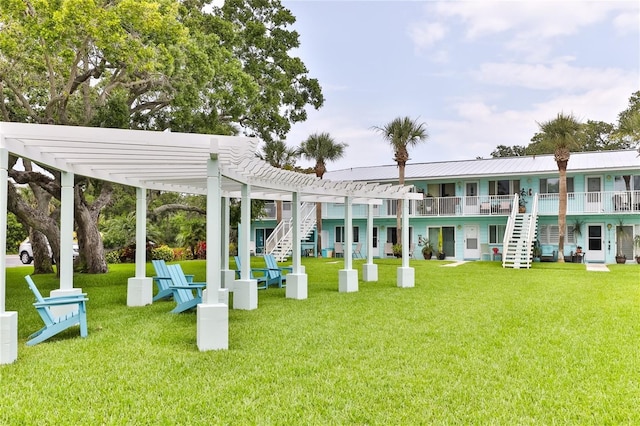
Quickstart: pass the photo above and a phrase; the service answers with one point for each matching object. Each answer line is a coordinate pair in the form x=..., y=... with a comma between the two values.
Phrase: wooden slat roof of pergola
x=178, y=162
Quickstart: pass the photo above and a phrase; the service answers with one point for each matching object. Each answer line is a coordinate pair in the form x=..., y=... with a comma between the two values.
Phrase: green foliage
x=162, y=253
x=16, y=233
x=508, y=151
x=321, y=147
x=427, y=248
x=113, y=256
x=403, y=133
x=526, y=352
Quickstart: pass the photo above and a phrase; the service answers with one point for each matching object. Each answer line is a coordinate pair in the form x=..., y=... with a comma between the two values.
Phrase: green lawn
x=473, y=344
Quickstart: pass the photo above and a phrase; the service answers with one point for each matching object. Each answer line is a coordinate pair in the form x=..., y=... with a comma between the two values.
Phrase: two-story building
x=471, y=207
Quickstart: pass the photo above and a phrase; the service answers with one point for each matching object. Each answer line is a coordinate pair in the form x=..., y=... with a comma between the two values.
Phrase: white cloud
x=532, y=23
x=550, y=77
x=426, y=34
x=627, y=22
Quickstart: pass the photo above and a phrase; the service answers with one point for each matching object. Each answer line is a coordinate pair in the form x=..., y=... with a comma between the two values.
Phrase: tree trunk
x=318, y=227
x=562, y=208
x=401, y=167
x=92, y=259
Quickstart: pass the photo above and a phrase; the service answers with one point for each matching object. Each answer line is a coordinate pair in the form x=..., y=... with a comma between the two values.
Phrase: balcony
x=607, y=202
x=578, y=203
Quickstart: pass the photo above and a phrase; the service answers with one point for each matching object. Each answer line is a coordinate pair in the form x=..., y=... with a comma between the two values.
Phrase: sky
x=478, y=73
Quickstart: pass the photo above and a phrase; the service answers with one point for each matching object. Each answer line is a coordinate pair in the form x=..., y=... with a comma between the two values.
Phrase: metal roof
x=507, y=166
x=177, y=162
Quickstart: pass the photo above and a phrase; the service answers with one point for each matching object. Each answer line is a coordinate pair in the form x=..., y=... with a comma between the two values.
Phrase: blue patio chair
x=183, y=290
x=275, y=273
x=54, y=324
x=262, y=278
x=163, y=280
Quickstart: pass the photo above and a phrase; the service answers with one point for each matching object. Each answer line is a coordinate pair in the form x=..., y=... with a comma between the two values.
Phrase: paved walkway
x=597, y=267
x=460, y=262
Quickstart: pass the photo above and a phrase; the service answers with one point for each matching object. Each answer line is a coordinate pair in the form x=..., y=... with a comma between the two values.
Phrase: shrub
x=113, y=256
x=179, y=253
x=162, y=253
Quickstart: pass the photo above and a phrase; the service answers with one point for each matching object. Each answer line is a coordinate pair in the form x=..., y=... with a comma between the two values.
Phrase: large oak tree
x=150, y=64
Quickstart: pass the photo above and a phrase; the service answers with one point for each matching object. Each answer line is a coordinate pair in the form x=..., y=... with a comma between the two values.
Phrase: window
x=496, y=234
x=504, y=187
x=340, y=234
x=549, y=234
x=626, y=183
x=552, y=185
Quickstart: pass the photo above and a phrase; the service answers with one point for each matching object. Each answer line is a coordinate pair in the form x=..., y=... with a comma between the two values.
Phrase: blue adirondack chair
x=183, y=290
x=163, y=280
x=262, y=278
x=55, y=324
x=276, y=273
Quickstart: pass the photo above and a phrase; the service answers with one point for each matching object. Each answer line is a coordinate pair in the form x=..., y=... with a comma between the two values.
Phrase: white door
x=471, y=242
x=595, y=243
x=593, y=203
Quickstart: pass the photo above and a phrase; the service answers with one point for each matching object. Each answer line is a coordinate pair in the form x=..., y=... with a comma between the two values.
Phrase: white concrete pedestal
x=8, y=337
x=139, y=291
x=347, y=280
x=370, y=272
x=406, y=277
x=228, y=278
x=212, y=326
x=245, y=294
x=62, y=310
x=223, y=296
x=296, y=286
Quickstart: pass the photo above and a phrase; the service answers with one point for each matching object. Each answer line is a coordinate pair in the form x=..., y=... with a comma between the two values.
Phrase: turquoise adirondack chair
x=276, y=273
x=163, y=280
x=262, y=279
x=183, y=290
x=55, y=324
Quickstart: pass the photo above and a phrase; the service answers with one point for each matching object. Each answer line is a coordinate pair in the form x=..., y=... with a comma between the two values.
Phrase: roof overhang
x=178, y=162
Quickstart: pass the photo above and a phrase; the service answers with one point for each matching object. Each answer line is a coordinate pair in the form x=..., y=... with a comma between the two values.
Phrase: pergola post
x=297, y=286
x=140, y=288
x=213, y=316
x=66, y=246
x=405, y=274
x=348, y=277
x=370, y=269
x=245, y=290
x=228, y=276
x=8, y=320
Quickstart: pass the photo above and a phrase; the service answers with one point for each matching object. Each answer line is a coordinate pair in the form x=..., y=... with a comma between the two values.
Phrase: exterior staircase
x=280, y=242
x=519, y=237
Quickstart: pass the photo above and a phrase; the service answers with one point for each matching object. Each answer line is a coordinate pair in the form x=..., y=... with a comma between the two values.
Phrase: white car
x=26, y=252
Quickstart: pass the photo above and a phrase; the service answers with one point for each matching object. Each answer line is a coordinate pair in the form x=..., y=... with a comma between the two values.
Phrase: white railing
x=283, y=231
x=609, y=202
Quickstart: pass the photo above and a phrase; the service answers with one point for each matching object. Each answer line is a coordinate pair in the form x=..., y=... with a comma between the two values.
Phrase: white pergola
x=220, y=167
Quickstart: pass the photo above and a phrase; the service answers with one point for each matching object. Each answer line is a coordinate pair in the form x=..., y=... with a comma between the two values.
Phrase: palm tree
x=321, y=147
x=402, y=133
x=279, y=155
x=560, y=133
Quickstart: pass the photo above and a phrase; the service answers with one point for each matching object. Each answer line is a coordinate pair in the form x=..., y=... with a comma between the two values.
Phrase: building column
x=213, y=316
x=66, y=246
x=228, y=276
x=348, y=277
x=8, y=320
x=370, y=269
x=245, y=290
x=297, y=280
x=140, y=287
x=405, y=274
